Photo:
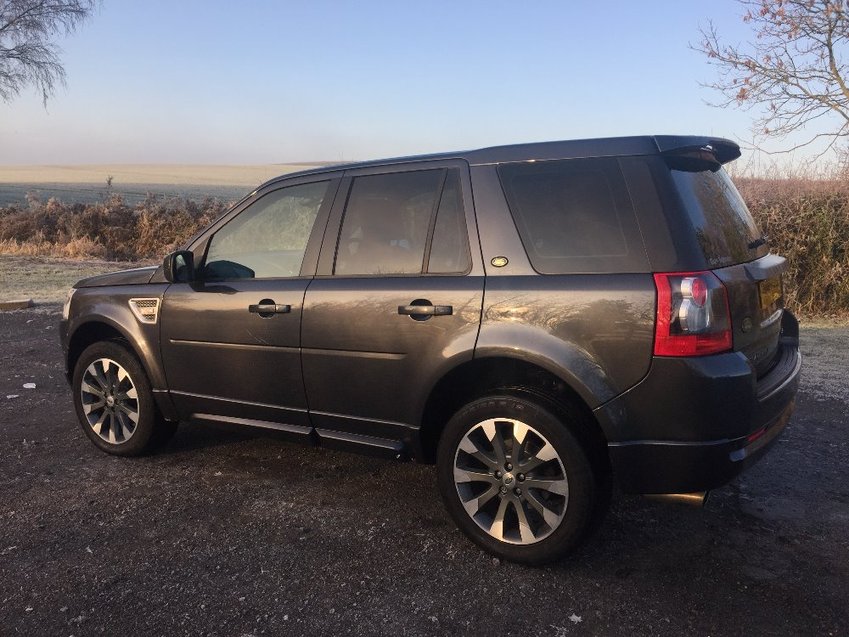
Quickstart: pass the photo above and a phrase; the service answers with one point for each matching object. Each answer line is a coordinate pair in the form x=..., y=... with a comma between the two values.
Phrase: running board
x=297, y=433
x=358, y=443
x=332, y=439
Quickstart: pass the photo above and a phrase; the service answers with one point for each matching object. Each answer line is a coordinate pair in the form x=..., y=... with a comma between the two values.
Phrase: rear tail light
x=693, y=317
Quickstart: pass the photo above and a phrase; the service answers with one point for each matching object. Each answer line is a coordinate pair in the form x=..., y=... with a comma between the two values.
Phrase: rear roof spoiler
x=714, y=150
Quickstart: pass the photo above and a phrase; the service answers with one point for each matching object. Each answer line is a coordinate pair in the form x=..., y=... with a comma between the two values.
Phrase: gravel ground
x=225, y=534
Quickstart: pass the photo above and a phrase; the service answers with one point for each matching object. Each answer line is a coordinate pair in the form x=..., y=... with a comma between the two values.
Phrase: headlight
x=66, y=309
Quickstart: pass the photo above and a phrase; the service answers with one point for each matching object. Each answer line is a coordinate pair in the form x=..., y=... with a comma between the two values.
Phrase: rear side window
x=723, y=225
x=574, y=215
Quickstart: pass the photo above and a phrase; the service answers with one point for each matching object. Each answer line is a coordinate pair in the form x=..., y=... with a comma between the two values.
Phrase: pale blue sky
x=212, y=81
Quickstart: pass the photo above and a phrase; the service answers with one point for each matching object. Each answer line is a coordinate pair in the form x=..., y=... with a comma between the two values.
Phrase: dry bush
x=83, y=248
x=110, y=229
x=26, y=249
x=163, y=225
x=807, y=221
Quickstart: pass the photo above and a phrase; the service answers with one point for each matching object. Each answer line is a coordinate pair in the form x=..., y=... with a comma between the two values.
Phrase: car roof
x=723, y=149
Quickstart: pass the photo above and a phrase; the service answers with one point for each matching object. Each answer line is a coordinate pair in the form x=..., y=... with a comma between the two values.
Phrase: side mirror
x=179, y=267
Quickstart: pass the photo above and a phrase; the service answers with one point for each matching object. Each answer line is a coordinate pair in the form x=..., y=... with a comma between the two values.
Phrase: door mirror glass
x=179, y=267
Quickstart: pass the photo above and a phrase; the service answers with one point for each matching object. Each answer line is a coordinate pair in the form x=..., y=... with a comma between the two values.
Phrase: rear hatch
x=738, y=253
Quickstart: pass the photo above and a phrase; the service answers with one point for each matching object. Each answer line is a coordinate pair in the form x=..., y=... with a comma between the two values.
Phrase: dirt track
x=224, y=534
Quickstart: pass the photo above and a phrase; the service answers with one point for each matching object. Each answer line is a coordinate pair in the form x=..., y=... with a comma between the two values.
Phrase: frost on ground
x=825, y=361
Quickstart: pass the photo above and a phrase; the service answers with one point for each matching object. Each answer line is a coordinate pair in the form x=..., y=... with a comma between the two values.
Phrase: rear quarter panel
x=594, y=331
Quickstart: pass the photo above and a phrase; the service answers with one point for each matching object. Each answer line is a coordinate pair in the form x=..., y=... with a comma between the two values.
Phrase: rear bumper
x=675, y=467
x=699, y=422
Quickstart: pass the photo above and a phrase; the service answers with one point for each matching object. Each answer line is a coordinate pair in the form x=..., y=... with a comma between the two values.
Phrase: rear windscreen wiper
x=757, y=243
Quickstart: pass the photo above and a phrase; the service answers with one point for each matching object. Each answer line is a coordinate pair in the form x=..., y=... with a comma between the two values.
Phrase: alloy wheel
x=511, y=481
x=109, y=401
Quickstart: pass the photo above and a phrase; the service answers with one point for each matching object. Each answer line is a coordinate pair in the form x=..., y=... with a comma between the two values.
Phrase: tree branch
x=793, y=70
x=26, y=54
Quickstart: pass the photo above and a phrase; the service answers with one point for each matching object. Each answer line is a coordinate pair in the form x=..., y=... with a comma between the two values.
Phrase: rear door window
x=574, y=215
x=724, y=227
x=403, y=223
x=449, y=250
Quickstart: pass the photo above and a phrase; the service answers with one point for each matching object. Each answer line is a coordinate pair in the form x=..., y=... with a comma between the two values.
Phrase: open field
x=11, y=194
x=176, y=174
x=87, y=183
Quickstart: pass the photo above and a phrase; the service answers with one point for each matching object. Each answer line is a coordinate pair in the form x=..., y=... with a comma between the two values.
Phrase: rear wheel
x=516, y=480
x=114, y=401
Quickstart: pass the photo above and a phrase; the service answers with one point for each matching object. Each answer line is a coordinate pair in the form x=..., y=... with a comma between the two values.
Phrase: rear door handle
x=267, y=308
x=426, y=310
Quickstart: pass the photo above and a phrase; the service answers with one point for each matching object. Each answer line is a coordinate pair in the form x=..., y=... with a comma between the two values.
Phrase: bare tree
x=794, y=69
x=27, y=57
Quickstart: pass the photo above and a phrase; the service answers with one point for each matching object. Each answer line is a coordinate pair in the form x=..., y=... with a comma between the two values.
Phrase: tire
x=114, y=401
x=530, y=503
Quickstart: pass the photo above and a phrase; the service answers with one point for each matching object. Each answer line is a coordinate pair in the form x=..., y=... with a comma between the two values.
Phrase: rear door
x=396, y=302
x=736, y=250
x=230, y=339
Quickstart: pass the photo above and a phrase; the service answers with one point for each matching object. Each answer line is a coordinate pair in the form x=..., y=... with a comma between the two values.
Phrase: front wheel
x=114, y=401
x=515, y=479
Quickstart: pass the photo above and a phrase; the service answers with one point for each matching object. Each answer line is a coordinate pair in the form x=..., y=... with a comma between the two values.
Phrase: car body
x=615, y=289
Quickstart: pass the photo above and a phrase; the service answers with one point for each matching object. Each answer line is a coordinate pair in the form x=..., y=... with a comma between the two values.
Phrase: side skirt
x=374, y=446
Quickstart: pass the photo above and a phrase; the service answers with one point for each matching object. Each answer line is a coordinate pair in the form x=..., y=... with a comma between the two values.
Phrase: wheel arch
x=87, y=334
x=488, y=374
x=103, y=313
x=97, y=328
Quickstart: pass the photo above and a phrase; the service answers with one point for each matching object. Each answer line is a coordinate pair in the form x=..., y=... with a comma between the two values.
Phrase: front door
x=231, y=338
x=396, y=302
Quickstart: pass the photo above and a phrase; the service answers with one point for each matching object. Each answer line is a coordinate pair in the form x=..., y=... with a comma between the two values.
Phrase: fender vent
x=146, y=310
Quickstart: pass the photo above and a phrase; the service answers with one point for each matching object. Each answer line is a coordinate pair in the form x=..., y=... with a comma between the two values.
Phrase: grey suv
x=538, y=320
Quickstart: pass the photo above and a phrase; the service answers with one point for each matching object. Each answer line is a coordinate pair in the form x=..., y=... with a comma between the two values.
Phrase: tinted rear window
x=723, y=224
x=573, y=215
x=386, y=224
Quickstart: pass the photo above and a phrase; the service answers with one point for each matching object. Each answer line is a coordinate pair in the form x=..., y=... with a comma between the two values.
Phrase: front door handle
x=267, y=308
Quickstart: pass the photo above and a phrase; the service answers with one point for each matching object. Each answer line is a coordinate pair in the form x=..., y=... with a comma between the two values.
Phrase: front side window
x=269, y=238
x=389, y=221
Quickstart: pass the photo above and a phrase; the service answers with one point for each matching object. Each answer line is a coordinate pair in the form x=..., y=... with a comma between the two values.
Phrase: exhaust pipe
x=697, y=499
